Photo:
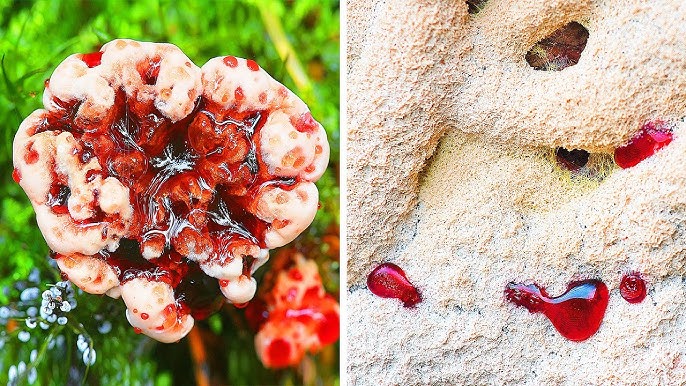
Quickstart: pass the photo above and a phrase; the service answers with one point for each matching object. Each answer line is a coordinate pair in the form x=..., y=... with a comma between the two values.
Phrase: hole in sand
x=475, y=6
x=560, y=50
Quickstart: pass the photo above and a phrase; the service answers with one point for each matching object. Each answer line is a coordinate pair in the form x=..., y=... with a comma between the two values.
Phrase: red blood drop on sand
x=653, y=136
x=576, y=314
x=389, y=281
x=633, y=288
x=279, y=353
x=92, y=59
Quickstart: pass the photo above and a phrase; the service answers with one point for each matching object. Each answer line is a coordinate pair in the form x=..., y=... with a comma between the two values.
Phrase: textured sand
x=452, y=176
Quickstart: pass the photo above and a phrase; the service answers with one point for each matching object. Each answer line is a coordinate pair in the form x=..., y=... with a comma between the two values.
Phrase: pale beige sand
x=492, y=206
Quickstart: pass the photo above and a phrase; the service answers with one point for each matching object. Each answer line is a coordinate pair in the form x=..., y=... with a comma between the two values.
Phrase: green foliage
x=34, y=38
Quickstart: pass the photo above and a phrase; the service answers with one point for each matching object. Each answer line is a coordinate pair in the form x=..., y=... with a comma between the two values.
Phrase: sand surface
x=452, y=176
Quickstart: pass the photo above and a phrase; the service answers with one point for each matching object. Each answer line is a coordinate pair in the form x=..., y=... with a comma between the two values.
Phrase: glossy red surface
x=652, y=137
x=633, y=287
x=389, y=281
x=576, y=314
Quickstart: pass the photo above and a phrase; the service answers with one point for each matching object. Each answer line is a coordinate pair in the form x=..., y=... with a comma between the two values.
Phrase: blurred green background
x=296, y=41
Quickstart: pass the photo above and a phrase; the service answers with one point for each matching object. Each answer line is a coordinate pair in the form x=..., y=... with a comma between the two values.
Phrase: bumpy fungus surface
x=148, y=174
x=296, y=316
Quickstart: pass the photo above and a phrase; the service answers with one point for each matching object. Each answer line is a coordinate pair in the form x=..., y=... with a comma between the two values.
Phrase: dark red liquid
x=389, y=281
x=190, y=185
x=633, y=288
x=16, y=176
x=92, y=59
x=576, y=314
x=652, y=137
x=571, y=159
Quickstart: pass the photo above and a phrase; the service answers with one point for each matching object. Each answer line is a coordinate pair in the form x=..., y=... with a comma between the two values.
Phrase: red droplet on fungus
x=252, y=65
x=230, y=61
x=92, y=59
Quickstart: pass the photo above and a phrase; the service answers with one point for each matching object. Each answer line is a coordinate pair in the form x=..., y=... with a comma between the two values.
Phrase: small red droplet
x=137, y=330
x=31, y=156
x=223, y=283
x=238, y=94
x=279, y=353
x=633, y=288
x=144, y=316
x=160, y=327
x=252, y=65
x=92, y=59
x=16, y=175
x=389, y=281
x=652, y=137
x=576, y=314
x=230, y=61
